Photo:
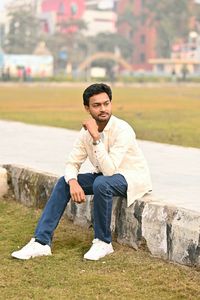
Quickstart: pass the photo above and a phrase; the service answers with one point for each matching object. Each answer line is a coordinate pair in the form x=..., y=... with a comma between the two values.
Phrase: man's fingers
x=77, y=193
x=81, y=197
x=78, y=197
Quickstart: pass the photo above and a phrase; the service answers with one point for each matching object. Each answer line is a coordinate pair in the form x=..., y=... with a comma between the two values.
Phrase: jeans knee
x=100, y=185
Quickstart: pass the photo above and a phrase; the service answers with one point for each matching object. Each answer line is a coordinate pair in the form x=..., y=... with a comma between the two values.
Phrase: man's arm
x=77, y=156
x=109, y=162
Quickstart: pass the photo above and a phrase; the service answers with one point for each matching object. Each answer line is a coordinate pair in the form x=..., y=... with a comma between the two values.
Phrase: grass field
x=126, y=274
x=163, y=114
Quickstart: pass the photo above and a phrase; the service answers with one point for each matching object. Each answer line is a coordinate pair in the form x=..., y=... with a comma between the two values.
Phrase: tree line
x=171, y=19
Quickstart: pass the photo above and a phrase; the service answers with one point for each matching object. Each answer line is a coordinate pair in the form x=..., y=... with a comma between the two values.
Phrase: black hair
x=95, y=89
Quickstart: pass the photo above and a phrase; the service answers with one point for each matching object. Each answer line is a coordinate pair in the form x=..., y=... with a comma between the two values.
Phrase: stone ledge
x=169, y=232
x=3, y=182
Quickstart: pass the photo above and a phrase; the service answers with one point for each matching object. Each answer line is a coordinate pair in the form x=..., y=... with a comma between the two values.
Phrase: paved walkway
x=175, y=170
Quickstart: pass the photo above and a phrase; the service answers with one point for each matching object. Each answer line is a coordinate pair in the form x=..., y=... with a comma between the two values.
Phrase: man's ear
x=87, y=108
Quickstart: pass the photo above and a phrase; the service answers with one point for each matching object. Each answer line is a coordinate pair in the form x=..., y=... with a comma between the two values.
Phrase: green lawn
x=163, y=114
x=126, y=274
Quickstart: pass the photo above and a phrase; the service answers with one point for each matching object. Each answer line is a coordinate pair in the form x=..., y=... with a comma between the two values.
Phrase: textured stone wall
x=172, y=233
x=3, y=182
x=168, y=232
x=30, y=187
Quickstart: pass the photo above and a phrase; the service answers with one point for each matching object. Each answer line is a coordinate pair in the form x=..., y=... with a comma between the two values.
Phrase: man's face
x=100, y=107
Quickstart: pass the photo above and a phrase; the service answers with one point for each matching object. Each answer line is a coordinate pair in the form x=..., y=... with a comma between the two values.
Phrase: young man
x=119, y=170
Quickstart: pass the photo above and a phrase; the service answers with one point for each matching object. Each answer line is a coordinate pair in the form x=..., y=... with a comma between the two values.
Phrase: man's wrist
x=72, y=180
x=96, y=138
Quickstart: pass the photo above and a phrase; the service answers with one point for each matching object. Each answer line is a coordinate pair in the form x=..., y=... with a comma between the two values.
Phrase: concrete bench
x=169, y=232
x=3, y=182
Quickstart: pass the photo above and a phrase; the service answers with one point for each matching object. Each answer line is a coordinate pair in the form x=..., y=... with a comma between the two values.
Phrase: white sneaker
x=32, y=249
x=98, y=250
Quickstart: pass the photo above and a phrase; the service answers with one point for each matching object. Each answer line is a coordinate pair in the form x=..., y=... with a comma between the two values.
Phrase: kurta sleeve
x=76, y=158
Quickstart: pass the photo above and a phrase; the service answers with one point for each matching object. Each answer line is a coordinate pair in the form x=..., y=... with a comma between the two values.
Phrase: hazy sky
x=3, y=3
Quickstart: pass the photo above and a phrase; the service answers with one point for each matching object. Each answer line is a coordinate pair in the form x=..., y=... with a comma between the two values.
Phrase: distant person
x=7, y=74
x=174, y=76
x=19, y=73
x=24, y=74
x=3, y=76
x=28, y=74
x=184, y=72
x=119, y=169
x=111, y=75
x=42, y=74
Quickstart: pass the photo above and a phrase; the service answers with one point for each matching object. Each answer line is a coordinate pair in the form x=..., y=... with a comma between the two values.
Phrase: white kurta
x=118, y=153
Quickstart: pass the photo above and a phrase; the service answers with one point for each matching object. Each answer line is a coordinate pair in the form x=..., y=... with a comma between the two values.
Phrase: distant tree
x=109, y=42
x=171, y=19
x=128, y=18
x=74, y=48
x=68, y=39
x=129, y=22
x=23, y=34
x=196, y=14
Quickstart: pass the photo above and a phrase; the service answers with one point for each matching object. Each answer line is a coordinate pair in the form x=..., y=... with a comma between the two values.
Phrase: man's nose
x=102, y=107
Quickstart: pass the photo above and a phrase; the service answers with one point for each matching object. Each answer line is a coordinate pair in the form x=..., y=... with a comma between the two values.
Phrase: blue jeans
x=103, y=188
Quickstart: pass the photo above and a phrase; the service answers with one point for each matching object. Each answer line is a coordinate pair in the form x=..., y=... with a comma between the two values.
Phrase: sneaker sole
x=95, y=259
x=26, y=258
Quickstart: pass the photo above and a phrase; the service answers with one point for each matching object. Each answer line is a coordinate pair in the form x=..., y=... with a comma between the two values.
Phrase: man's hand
x=76, y=191
x=92, y=127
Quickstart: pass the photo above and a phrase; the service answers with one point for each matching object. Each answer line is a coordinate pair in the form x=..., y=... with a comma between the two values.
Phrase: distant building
x=143, y=39
x=99, y=21
x=100, y=4
x=54, y=12
x=41, y=49
x=38, y=65
x=97, y=14
x=24, y=66
x=185, y=56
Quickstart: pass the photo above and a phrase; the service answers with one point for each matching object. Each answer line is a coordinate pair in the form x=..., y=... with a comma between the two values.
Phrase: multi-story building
x=101, y=16
x=54, y=12
x=185, y=58
x=98, y=15
x=143, y=36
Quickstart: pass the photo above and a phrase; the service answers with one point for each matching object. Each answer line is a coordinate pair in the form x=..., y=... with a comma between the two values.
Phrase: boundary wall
x=168, y=232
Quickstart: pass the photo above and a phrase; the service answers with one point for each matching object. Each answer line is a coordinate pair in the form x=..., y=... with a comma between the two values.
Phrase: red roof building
x=143, y=38
x=63, y=10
